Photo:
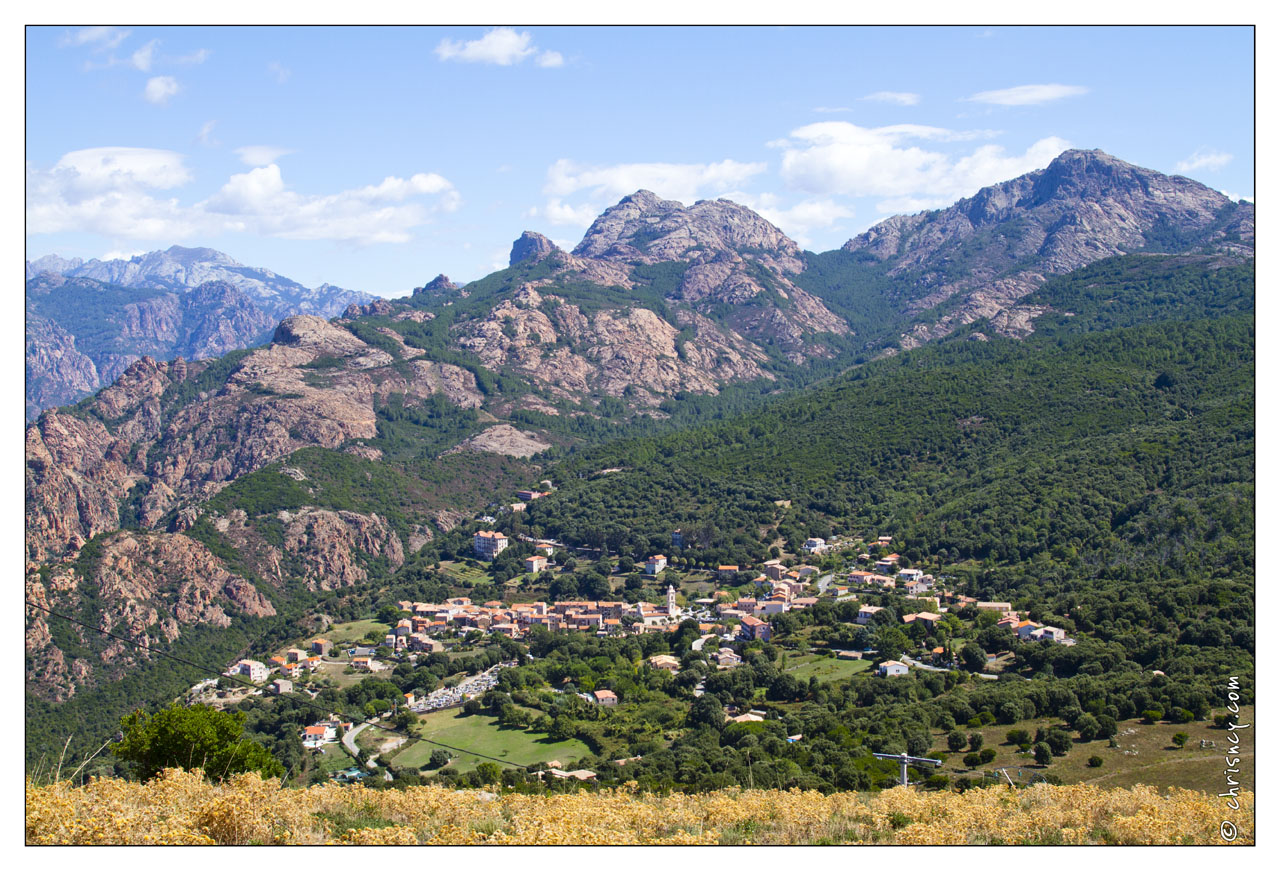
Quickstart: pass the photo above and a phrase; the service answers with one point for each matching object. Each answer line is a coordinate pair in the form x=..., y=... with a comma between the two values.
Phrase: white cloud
x=205, y=136
x=836, y=157
x=502, y=46
x=110, y=191
x=261, y=155
x=678, y=181
x=831, y=110
x=279, y=72
x=102, y=169
x=101, y=38
x=800, y=220
x=142, y=58
x=160, y=88
x=106, y=191
x=563, y=214
x=1235, y=198
x=1027, y=95
x=196, y=57
x=900, y=98
x=911, y=205
x=259, y=201
x=1204, y=158
x=122, y=255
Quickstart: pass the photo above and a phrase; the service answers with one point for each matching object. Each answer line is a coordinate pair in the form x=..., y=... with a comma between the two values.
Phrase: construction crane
x=904, y=760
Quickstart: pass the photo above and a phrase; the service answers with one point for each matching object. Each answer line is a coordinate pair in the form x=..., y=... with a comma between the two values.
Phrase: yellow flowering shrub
x=182, y=808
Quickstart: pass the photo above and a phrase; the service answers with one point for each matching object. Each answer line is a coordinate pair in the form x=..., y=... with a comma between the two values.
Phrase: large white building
x=488, y=544
x=252, y=669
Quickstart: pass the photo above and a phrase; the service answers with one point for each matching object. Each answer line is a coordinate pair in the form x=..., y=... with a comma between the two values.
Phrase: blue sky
x=375, y=158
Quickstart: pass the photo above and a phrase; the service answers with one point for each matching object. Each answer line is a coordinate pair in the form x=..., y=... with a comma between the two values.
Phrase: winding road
x=349, y=740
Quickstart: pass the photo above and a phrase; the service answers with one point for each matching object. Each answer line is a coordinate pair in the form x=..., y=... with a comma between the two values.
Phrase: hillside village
x=876, y=594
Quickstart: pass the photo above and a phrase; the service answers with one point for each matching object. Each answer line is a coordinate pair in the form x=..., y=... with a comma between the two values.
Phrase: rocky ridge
x=268, y=404
x=147, y=587
x=184, y=302
x=982, y=255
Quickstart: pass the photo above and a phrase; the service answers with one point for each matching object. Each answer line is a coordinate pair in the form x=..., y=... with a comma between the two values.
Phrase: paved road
x=823, y=583
x=917, y=664
x=349, y=740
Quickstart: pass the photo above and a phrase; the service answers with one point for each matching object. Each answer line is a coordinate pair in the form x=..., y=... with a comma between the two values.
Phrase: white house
x=655, y=564
x=252, y=669
x=1048, y=633
x=892, y=668
x=866, y=612
x=726, y=658
x=814, y=545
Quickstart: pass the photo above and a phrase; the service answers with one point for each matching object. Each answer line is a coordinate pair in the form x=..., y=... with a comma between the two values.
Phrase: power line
x=304, y=702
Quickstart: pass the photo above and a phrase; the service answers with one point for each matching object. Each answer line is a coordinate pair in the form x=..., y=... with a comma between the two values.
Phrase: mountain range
x=231, y=491
x=87, y=321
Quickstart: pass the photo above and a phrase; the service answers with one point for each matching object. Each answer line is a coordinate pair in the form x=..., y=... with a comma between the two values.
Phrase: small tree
x=1017, y=736
x=987, y=754
x=975, y=741
x=1095, y=761
x=191, y=738
x=973, y=657
x=1180, y=739
x=955, y=740
x=1043, y=755
x=488, y=772
x=972, y=760
x=1059, y=742
x=1087, y=725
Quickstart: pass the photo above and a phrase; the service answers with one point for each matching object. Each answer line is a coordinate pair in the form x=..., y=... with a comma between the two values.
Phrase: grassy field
x=465, y=575
x=335, y=672
x=333, y=758
x=824, y=668
x=1152, y=758
x=481, y=733
x=355, y=631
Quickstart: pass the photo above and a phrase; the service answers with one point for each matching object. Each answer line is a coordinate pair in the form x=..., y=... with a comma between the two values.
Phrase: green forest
x=1098, y=475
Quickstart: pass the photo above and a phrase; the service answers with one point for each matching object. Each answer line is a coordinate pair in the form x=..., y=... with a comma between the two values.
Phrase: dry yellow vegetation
x=183, y=808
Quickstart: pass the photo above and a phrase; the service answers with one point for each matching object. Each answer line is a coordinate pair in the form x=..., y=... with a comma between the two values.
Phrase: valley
x=740, y=514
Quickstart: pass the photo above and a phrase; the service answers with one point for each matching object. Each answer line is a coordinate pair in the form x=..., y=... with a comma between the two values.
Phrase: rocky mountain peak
x=997, y=246
x=312, y=331
x=194, y=255
x=436, y=287
x=531, y=246
x=440, y=282
x=644, y=228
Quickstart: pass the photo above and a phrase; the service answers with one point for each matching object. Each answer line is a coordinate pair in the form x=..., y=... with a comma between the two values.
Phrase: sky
x=374, y=158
